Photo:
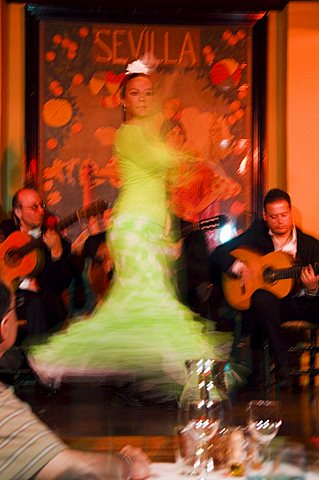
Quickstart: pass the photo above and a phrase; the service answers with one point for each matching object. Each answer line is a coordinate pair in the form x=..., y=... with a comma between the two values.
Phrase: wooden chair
x=305, y=348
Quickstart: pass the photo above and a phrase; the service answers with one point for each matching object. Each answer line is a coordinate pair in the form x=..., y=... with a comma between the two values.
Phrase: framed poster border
x=35, y=13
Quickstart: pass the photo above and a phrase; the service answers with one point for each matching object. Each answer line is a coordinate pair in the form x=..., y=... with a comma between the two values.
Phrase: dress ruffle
x=140, y=330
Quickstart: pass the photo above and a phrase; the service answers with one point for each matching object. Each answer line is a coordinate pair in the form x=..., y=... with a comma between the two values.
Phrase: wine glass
x=264, y=420
x=204, y=420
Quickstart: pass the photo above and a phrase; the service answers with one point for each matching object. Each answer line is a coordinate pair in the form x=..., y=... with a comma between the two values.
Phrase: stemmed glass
x=204, y=419
x=264, y=420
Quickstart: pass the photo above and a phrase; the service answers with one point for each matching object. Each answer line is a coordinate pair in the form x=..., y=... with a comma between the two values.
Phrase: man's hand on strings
x=309, y=279
x=53, y=241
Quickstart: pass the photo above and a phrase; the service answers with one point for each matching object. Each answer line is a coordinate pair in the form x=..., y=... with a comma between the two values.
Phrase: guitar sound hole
x=269, y=275
x=12, y=258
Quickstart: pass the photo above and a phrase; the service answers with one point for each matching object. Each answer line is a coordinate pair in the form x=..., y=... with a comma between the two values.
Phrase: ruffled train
x=140, y=331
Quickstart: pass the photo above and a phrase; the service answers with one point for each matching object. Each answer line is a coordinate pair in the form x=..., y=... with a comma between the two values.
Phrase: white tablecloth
x=169, y=471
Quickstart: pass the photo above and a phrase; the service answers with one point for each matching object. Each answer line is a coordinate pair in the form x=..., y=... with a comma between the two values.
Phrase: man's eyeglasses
x=35, y=207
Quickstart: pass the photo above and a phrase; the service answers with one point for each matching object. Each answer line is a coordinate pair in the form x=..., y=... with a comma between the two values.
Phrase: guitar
x=19, y=252
x=273, y=272
x=211, y=223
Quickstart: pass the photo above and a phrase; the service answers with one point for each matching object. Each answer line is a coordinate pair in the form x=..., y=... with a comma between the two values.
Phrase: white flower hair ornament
x=146, y=65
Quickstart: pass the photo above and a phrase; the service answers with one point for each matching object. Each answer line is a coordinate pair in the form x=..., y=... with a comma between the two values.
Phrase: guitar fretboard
x=292, y=272
x=210, y=223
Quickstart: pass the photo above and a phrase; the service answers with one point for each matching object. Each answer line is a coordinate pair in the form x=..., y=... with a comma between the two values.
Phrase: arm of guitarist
x=223, y=261
x=222, y=256
x=310, y=281
x=53, y=241
x=243, y=272
x=57, y=271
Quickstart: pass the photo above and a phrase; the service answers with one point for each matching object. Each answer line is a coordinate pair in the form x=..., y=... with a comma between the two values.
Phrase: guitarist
x=41, y=295
x=275, y=232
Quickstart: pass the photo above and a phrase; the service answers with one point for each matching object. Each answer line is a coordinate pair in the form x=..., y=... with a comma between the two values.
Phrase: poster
x=203, y=82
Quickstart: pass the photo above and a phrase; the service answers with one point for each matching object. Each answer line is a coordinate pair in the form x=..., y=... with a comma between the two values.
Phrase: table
x=160, y=448
x=169, y=471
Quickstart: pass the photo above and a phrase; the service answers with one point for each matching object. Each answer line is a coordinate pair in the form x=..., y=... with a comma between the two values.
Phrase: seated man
x=275, y=232
x=43, y=308
x=29, y=449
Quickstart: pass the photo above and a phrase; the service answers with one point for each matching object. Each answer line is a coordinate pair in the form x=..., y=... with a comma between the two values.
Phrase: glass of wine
x=264, y=419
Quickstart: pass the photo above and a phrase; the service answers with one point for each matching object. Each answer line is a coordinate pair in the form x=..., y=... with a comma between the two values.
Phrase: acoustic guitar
x=210, y=223
x=19, y=254
x=273, y=272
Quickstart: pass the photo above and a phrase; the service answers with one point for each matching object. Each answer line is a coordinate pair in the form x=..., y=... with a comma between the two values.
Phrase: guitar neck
x=94, y=208
x=292, y=272
x=66, y=222
x=183, y=232
x=210, y=223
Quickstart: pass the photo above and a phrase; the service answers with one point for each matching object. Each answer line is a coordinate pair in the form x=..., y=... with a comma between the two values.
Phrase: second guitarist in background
x=193, y=272
x=42, y=308
x=275, y=232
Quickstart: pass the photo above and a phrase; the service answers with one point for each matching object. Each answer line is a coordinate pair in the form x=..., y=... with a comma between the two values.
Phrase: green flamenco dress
x=140, y=331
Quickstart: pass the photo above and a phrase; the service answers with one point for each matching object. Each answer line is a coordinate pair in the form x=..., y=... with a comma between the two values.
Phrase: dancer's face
x=139, y=97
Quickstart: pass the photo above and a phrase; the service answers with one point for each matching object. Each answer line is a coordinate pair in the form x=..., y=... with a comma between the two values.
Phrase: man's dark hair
x=5, y=298
x=16, y=204
x=125, y=80
x=275, y=195
x=15, y=199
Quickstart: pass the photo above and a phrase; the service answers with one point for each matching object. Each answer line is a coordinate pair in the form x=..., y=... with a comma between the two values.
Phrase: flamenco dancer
x=140, y=332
